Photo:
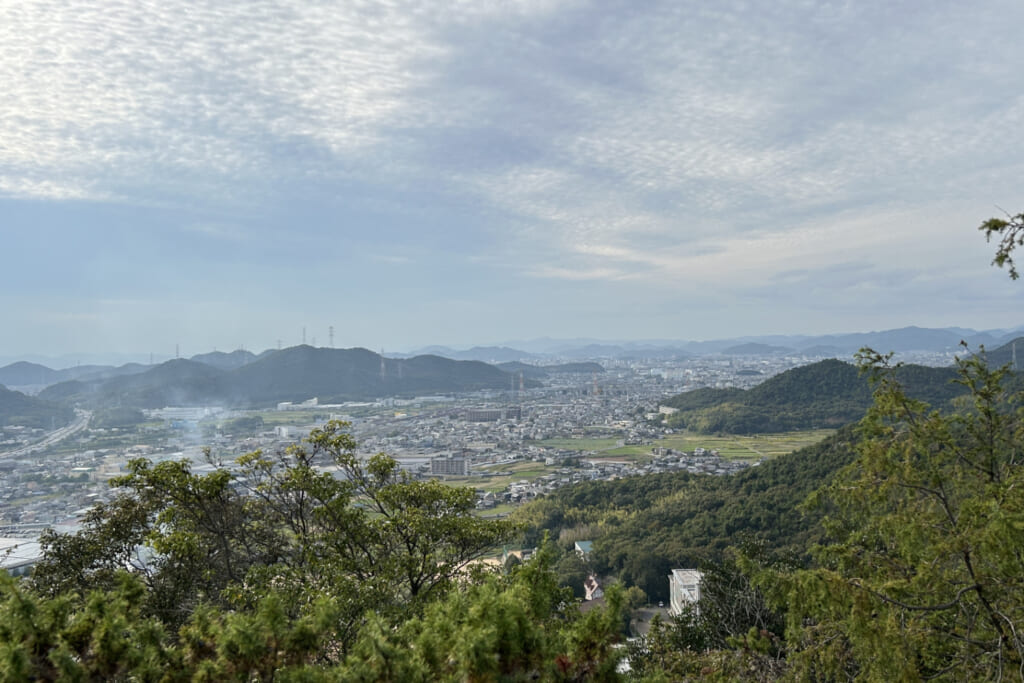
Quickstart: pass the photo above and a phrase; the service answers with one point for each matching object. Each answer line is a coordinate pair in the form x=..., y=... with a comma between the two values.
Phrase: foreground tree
x=308, y=524
x=924, y=577
x=515, y=627
x=1010, y=231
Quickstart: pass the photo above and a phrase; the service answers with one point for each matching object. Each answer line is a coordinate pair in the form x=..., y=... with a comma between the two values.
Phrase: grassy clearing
x=743, y=447
x=501, y=475
x=503, y=510
x=747, y=447
x=274, y=418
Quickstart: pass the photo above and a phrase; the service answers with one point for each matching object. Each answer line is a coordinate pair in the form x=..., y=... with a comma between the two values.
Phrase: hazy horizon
x=417, y=173
x=535, y=345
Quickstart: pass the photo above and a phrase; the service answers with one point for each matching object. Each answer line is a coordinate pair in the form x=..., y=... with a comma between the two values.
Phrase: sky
x=209, y=175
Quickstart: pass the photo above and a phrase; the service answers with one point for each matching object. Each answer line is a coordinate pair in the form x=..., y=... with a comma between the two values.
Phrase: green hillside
x=829, y=393
x=644, y=526
x=18, y=409
x=295, y=374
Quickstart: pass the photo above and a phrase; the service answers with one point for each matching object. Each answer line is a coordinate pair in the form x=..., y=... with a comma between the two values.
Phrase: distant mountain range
x=545, y=371
x=27, y=374
x=294, y=374
x=33, y=377
x=906, y=339
x=486, y=354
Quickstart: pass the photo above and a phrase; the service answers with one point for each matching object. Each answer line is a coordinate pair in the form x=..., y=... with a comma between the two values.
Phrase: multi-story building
x=451, y=465
x=684, y=589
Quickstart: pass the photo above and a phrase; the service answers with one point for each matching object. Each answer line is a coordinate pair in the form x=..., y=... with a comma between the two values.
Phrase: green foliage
x=116, y=417
x=642, y=527
x=369, y=538
x=923, y=575
x=248, y=424
x=665, y=655
x=829, y=393
x=102, y=637
x=515, y=627
x=1011, y=236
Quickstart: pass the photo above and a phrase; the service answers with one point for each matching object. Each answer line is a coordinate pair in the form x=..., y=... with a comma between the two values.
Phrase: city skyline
x=414, y=173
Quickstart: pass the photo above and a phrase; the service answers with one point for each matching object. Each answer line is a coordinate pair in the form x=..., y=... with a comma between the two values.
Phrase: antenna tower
x=330, y=336
x=303, y=335
x=383, y=370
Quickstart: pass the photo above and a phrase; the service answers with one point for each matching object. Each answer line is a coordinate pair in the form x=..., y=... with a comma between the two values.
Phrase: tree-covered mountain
x=23, y=373
x=18, y=409
x=293, y=374
x=486, y=354
x=1005, y=354
x=226, y=361
x=829, y=393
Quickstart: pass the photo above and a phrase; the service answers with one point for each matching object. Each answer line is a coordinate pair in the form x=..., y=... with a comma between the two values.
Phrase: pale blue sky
x=216, y=174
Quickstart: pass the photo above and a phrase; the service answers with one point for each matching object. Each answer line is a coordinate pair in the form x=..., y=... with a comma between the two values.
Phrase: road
x=80, y=423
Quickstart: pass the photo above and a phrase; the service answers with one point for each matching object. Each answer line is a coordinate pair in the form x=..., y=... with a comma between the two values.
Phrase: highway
x=80, y=423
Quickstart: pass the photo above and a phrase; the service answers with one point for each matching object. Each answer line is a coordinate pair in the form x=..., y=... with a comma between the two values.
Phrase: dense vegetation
x=274, y=570
x=642, y=527
x=829, y=393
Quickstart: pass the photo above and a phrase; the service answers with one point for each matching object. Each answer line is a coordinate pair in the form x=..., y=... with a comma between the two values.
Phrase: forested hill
x=1004, y=355
x=829, y=393
x=293, y=374
x=642, y=527
x=18, y=409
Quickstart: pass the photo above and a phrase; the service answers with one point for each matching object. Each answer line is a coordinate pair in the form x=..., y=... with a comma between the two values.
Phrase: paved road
x=80, y=423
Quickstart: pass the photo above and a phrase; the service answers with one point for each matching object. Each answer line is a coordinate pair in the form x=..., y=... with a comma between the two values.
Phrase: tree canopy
x=922, y=574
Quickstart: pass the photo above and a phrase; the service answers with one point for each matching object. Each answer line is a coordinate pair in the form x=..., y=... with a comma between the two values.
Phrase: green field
x=744, y=447
x=586, y=444
x=748, y=447
x=503, y=475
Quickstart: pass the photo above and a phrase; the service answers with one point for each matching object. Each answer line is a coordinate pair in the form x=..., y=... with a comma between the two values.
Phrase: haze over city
x=411, y=173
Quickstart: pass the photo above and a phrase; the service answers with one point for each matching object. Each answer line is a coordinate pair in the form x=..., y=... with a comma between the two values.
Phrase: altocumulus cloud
x=628, y=144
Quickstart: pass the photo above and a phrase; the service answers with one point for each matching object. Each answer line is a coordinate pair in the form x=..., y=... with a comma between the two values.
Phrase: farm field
x=752, y=447
x=503, y=475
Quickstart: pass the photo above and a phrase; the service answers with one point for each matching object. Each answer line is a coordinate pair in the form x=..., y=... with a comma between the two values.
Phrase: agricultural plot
x=752, y=447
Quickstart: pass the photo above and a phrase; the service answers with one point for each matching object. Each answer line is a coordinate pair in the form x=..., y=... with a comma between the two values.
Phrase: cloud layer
x=795, y=148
